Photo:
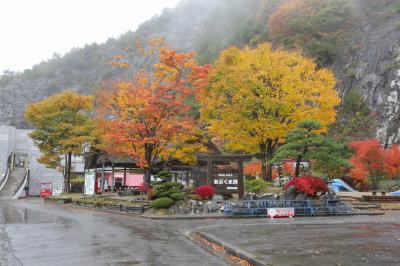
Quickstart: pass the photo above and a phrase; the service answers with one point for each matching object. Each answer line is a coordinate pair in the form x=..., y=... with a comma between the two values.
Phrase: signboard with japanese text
x=225, y=177
x=280, y=212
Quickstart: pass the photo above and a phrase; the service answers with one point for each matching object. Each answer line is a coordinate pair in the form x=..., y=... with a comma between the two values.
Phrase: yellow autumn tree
x=62, y=126
x=253, y=97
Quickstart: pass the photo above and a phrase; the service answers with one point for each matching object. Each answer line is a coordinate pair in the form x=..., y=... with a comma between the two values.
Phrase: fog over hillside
x=358, y=39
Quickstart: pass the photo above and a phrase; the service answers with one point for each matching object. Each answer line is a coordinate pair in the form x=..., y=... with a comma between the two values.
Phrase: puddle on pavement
x=11, y=214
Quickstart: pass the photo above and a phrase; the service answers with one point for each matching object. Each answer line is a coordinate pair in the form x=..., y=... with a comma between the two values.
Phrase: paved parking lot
x=362, y=240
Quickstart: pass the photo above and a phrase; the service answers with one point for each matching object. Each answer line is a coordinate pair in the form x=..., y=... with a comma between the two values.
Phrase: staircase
x=359, y=205
x=13, y=183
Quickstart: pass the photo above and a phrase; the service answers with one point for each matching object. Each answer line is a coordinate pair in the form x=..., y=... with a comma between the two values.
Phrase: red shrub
x=308, y=184
x=205, y=192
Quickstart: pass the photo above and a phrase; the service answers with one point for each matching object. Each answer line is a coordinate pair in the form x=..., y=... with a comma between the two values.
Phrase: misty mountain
x=357, y=39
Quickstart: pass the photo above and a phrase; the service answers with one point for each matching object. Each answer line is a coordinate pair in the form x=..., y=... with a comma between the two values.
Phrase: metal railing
x=305, y=207
x=9, y=168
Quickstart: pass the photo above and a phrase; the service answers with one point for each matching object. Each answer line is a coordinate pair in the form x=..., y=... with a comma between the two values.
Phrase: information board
x=90, y=178
x=57, y=189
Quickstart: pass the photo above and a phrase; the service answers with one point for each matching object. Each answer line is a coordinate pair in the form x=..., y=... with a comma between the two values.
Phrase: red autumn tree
x=147, y=117
x=392, y=161
x=309, y=185
x=367, y=161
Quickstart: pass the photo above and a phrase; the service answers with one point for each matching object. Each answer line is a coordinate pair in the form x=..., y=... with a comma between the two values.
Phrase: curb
x=231, y=249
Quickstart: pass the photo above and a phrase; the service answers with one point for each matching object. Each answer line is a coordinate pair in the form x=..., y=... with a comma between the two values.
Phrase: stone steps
x=357, y=204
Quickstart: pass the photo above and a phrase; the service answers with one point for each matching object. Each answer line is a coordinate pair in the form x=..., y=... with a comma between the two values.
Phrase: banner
x=280, y=212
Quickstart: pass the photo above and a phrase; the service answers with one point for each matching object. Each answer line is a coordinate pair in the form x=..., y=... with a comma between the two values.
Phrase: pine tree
x=305, y=143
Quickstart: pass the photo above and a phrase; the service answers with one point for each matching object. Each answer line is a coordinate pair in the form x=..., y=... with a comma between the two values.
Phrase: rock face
x=369, y=60
x=370, y=63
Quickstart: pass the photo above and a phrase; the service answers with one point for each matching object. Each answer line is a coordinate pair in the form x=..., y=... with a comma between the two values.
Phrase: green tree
x=62, y=127
x=305, y=143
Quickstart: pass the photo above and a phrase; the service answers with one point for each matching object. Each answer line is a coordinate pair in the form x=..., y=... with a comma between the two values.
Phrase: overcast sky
x=32, y=30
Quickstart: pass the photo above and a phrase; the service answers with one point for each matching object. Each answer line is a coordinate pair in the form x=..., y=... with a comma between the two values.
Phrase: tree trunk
x=148, y=150
x=270, y=152
x=102, y=177
x=67, y=179
x=297, y=169
x=112, y=178
x=263, y=154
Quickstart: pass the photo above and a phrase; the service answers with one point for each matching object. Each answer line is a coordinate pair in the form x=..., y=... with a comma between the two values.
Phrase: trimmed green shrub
x=168, y=193
x=162, y=203
x=177, y=196
x=256, y=185
x=166, y=189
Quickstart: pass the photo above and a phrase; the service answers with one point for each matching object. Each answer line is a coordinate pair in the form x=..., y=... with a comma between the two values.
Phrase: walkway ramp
x=13, y=183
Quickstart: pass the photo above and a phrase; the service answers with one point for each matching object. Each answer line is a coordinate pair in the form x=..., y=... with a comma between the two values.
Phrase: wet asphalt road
x=34, y=233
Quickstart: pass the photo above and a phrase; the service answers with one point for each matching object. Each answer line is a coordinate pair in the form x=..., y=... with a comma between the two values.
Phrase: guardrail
x=5, y=178
x=8, y=170
x=306, y=207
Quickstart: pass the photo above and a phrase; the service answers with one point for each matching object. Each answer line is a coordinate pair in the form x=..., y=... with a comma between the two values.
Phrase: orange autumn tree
x=147, y=117
x=254, y=169
x=392, y=161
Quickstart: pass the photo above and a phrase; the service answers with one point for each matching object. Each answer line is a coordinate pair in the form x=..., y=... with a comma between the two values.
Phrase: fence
x=301, y=207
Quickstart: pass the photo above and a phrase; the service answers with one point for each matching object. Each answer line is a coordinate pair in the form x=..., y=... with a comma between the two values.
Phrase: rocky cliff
x=370, y=63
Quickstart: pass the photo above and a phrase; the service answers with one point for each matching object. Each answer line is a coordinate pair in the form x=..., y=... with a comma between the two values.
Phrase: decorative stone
x=291, y=193
x=217, y=198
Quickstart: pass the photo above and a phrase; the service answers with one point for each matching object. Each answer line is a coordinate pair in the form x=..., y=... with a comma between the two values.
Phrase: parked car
x=45, y=193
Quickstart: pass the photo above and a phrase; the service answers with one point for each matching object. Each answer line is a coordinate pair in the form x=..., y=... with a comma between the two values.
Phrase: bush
x=166, y=189
x=195, y=197
x=150, y=194
x=162, y=203
x=308, y=184
x=168, y=193
x=177, y=196
x=205, y=192
x=256, y=185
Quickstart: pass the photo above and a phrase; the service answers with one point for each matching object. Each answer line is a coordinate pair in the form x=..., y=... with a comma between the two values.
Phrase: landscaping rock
x=217, y=198
x=290, y=193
